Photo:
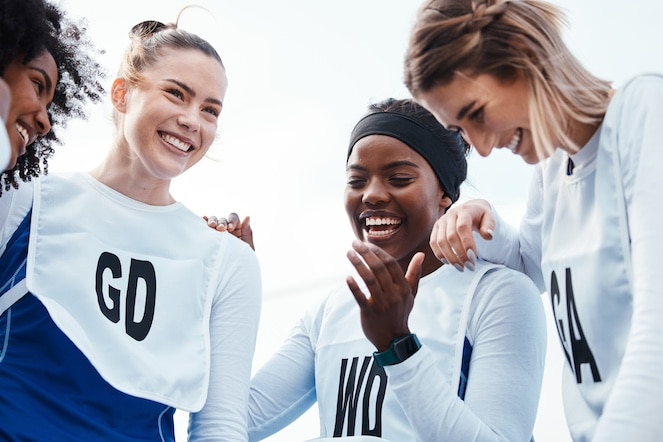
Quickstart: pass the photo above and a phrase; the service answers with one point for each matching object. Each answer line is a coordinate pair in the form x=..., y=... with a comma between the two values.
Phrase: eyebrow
x=464, y=110
x=391, y=165
x=47, y=78
x=193, y=93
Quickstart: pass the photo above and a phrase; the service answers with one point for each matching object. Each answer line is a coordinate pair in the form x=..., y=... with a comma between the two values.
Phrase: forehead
x=43, y=62
x=192, y=67
x=380, y=150
x=448, y=100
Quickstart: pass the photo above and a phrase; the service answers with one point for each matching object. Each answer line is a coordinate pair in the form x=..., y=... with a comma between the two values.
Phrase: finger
x=377, y=261
x=413, y=272
x=246, y=233
x=212, y=221
x=366, y=273
x=463, y=242
x=435, y=235
x=233, y=221
x=390, y=263
x=487, y=225
x=359, y=296
x=441, y=243
x=222, y=225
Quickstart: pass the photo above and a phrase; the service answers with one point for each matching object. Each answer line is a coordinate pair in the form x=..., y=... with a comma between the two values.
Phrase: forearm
x=284, y=388
x=506, y=371
x=518, y=248
x=233, y=329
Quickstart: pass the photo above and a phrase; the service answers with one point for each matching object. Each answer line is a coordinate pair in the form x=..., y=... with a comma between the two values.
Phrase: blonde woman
x=499, y=73
x=118, y=304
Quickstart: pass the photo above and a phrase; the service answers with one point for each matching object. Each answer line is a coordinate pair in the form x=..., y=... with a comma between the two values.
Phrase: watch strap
x=399, y=350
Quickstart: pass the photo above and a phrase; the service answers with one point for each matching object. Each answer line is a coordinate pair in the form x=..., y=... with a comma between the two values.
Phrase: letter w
x=346, y=403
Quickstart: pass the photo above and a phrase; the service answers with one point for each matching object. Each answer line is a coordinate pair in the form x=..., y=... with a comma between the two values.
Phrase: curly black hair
x=27, y=28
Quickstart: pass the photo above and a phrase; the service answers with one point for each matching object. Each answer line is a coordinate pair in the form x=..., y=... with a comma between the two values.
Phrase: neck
x=581, y=133
x=430, y=264
x=119, y=176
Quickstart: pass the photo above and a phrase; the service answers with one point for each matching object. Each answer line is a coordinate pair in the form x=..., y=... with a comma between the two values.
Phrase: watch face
x=406, y=347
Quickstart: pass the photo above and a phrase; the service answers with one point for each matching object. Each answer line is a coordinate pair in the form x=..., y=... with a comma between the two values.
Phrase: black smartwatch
x=400, y=349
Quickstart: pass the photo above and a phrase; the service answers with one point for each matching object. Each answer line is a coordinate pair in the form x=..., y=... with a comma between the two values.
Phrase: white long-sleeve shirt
x=592, y=240
x=327, y=358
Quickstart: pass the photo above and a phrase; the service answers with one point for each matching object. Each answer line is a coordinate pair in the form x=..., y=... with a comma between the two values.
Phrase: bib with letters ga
x=130, y=284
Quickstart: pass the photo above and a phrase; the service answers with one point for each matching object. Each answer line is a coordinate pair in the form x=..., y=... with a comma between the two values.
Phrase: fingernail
x=458, y=267
x=471, y=256
x=444, y=261
x=470, y=266
x=490, y=232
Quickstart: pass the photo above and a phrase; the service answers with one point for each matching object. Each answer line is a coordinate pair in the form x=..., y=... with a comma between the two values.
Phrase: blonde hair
x=505, y=38
x=150, y=38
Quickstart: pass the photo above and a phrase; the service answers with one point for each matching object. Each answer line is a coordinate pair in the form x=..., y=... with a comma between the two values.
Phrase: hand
x=451, y=238
x=232, y=224
x=384, y=315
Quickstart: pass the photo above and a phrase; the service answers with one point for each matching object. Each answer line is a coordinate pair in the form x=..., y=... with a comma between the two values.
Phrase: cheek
x=208, y=134
x=351, y=200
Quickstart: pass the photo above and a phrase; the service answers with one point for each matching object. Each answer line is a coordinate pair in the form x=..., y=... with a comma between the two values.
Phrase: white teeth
x=514, y=141
x=23, y=132
x=374, y=221
x=381, y=232
x=184, y=147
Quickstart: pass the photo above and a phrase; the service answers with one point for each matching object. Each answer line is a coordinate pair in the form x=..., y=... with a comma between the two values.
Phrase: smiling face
x=169, y=119
x=393, y=198
x=489, y=113
x=32, y=87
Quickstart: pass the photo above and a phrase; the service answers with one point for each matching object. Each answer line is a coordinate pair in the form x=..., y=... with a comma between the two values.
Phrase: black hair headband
x=418, y=137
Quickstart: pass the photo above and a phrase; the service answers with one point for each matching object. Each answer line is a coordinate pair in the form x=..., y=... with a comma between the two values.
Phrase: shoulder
x=507, y=303
x=637, y=95
x=503, y=288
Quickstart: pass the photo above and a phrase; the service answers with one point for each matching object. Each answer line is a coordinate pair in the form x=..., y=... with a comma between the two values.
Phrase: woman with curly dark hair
x=46, y=62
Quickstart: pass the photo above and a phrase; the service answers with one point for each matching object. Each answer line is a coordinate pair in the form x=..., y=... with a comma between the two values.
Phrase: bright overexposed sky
x=301, y=73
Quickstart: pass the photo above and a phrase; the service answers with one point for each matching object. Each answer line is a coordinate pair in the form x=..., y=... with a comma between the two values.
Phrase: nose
x=189, y=119
x=375, y=193
x=481, y=142
x=42, y=121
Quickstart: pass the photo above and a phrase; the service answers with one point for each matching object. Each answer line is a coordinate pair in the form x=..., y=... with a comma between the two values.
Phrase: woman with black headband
x=117, y=303
x=461, y=361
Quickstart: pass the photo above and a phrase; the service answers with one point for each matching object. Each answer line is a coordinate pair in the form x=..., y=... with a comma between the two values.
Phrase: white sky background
x=301, y=73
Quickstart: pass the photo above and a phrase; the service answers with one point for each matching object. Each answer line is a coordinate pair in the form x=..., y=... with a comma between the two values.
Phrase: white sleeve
x=507, y=325
x=637, y=397
x=519, y=249
x=284, y=387
x=233, y=330
x=5, y=147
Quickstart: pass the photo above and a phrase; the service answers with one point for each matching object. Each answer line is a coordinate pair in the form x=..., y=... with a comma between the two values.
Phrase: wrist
x=399, y=350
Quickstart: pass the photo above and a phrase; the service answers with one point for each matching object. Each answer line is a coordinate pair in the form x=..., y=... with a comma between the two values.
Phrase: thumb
x=413, y=272
x=487, y=226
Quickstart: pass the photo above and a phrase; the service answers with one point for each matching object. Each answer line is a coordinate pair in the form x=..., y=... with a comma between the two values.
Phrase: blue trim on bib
x=464, y=368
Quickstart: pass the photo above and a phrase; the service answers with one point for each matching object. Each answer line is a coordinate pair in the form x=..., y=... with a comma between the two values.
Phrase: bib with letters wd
x=352, y=391
x=130, y=284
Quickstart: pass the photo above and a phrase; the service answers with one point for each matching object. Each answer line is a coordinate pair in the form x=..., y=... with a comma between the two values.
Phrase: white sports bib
x=130, y=284
x=351, y=391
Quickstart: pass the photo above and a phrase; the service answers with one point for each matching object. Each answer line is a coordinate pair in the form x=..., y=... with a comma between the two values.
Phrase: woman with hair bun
x=498, y=72
x=119, y=305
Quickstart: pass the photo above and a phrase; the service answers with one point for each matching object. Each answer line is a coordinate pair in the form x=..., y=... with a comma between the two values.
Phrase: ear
x=119, y=94
x=445, y=203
